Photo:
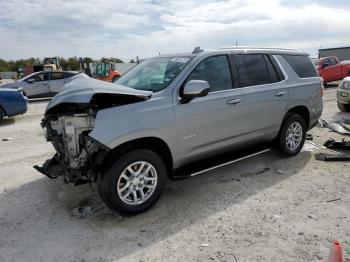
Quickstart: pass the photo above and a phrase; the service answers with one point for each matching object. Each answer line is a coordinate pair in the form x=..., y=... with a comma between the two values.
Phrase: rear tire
x=2, y=114
x=343, y=107
x=292, y=135
x=134, y=182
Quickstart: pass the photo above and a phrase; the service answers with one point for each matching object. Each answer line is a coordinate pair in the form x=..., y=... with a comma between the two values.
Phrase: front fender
x=151, y=118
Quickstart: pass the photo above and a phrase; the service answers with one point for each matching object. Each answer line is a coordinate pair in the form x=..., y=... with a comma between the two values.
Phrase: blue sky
x=129, y=28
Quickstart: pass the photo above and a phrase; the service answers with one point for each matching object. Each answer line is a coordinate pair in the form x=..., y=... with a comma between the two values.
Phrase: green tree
x=72, y=63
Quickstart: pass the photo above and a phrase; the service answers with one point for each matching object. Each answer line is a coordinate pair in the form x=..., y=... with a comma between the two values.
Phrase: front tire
x=134, y=182
x=343, y=107
x=292, y=135
x=2, y=114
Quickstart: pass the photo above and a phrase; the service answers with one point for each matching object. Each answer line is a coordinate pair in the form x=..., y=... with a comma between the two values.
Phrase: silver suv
x=172, y=110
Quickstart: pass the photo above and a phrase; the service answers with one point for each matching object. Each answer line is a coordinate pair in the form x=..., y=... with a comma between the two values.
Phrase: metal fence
x=8, y=75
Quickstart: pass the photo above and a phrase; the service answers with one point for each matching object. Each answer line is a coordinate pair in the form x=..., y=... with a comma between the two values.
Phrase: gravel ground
x=266, y=208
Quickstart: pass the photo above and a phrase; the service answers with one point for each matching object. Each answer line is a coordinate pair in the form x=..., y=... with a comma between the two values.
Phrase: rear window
x=252, y=70
x=69, y=74
x=301, y=65
x=258, y=69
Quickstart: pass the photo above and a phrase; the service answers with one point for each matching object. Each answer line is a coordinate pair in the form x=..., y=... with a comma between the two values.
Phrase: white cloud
x=144, y=27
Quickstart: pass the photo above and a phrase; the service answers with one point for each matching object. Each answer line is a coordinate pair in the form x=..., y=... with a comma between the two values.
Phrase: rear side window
x=57, y=76
x=274, y=78
x=332, y=61
x=302, y=65
x=216, y=71
x=252, y=70
x=68, y=75
x=276, y=67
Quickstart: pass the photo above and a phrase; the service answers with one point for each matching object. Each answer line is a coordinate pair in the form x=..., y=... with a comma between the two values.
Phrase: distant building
x=343, y=53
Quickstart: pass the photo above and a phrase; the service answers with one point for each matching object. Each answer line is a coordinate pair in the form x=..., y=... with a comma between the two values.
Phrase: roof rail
x=197, y=50
x=255, y=47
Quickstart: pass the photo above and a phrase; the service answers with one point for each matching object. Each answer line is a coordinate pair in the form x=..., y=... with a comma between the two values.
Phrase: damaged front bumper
x=70, y=117
x=78, y=155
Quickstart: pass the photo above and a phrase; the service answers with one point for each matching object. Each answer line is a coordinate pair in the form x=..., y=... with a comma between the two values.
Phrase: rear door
x=265, y=94
x=39, y=87
x=214, y=121
x=57, y=81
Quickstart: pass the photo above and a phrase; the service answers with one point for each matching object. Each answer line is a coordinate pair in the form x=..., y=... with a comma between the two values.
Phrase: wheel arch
x=3, y=109
x=301, y=110
x=155, y=144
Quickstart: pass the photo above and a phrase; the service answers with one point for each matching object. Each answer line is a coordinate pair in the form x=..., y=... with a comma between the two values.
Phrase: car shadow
x=8, y=121
x=341, y=117
x=332, y=85
x=38, y=100
x=48, y=205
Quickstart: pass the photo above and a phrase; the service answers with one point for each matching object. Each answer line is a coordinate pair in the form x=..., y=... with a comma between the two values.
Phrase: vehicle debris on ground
x=339, y=127
x=333, y=144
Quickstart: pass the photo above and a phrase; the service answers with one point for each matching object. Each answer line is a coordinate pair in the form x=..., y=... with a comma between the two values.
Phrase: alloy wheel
x=294, y=136
x=137, y=183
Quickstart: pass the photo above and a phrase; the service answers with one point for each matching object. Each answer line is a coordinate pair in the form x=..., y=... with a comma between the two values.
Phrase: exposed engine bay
x=68, y=124
x=75, y=149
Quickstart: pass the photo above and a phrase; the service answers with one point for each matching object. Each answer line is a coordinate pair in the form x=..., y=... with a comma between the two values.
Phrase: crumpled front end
x=75, y=150
x=69, y=119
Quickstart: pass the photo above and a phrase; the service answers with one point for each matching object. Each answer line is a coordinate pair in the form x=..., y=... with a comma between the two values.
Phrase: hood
x=346, y=79
x=83, y=89
x=5, y=89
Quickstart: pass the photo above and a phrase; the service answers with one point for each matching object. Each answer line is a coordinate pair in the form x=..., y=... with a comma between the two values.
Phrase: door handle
x=280, y=94
x=233, y=101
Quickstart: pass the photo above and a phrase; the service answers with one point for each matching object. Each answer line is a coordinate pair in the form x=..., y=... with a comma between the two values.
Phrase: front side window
x=325, y=61
x=154, y=74
x=252, y=70
x=302, y=65
x=216, y=71
x=40, y=77
x=332, y=61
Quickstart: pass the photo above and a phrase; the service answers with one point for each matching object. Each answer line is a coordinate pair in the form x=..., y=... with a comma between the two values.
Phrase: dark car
x=12, y=102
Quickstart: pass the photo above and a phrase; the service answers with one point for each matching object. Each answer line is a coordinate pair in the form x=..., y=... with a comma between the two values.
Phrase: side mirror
x=193, y=89
x=325, y=65
x=31, y=80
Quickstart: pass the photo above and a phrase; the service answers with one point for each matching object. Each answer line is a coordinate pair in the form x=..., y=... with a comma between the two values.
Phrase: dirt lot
x=267, y=208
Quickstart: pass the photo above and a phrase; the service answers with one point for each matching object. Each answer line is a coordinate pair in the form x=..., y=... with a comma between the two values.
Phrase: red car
x=331, y=69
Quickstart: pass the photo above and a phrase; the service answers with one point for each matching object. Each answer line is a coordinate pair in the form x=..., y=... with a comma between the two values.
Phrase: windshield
x=154, y=74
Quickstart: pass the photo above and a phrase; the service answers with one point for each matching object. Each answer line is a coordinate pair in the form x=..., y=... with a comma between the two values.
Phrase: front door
x=214, y=121
x=335, y=69
x=38, y=85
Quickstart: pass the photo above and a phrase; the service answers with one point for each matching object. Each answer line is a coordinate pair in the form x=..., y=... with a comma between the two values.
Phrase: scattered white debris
x=313, y=216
